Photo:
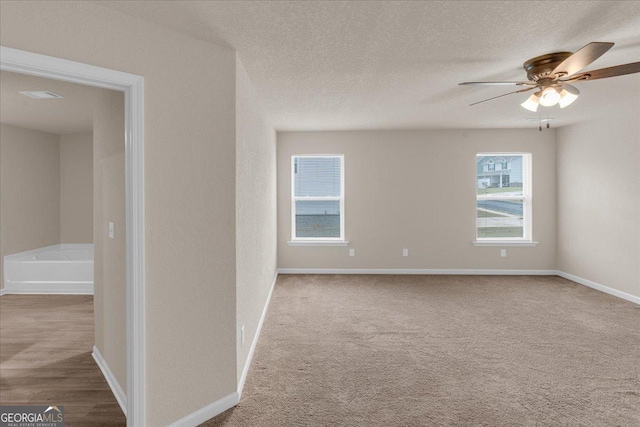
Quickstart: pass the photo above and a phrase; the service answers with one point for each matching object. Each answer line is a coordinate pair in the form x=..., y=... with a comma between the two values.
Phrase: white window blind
x=317, y=197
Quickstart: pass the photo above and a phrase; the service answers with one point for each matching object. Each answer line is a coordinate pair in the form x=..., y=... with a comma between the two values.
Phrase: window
x=317, y=204
x=503, y=197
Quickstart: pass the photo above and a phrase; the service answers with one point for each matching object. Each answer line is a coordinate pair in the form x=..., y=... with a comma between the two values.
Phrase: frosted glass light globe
x=550, y=97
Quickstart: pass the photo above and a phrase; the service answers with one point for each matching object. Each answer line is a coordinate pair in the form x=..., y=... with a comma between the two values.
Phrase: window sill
x=503, y=243
x=317, y=243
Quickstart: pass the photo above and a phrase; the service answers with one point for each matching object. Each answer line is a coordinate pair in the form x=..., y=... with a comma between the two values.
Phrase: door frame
x=23, y=62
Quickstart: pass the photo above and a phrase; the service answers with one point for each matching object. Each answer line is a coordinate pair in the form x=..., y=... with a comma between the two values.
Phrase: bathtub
x=58, y=269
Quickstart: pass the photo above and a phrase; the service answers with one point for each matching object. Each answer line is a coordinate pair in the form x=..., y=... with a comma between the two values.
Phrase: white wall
x=190, y=150
x=256, y=211
x=599, y=197
x=416, y=190
x=29, y=190
x=76, y=188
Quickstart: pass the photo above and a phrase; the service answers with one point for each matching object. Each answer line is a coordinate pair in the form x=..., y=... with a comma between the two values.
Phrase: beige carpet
x=442, y=351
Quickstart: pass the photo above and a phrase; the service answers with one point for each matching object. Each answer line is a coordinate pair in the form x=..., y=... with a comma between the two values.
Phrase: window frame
x=527, y=200
x=294, y=199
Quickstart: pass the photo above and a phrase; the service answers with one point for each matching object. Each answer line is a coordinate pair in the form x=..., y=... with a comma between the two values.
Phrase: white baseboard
x=417, y=271
x=2, y=292
x=111, y=380
x=203, y=414
x=600, y=287
x=48, y=288
x=247, y=364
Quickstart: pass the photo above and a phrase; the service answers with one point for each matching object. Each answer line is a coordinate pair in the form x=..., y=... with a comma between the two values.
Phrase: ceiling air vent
x=41, y=94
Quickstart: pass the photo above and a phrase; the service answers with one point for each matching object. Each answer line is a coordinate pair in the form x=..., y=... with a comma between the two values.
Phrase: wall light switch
x=503, y=253
x=405, y=252
x=111, y=230
x=352, y=252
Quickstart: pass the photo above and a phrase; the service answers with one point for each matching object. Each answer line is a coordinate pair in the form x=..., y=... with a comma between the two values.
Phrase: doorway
x=131, y=86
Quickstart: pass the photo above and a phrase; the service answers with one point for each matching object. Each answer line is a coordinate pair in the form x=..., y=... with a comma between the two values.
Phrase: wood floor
x=45, y=358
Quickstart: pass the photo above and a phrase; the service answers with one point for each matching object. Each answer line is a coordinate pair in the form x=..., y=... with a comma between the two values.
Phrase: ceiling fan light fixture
x=549, y=97
x=551, y=73
x=568, y=95
x=532, y=102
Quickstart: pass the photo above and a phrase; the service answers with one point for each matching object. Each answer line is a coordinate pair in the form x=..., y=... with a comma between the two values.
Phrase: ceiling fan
x=551, y=75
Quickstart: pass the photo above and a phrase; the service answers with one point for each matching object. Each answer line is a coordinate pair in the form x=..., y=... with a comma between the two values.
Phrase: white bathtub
x=58, y=269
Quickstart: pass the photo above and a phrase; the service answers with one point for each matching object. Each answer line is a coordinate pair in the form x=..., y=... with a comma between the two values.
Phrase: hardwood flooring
x=45, y=358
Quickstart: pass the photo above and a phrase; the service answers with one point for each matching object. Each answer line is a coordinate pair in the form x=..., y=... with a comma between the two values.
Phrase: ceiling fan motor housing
x=541, y=66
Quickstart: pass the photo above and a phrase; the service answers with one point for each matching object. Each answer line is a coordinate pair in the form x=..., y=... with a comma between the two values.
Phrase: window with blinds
x=317, y=205
x=503, y=196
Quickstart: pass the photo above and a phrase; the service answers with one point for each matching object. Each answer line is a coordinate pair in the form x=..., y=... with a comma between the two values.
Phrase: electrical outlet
x=503, y=253
x=352, y=252
x=242, y=335
x=111, y=230
x=405, y=252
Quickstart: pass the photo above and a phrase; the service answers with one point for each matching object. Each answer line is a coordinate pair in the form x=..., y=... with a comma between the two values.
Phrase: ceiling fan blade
x=505, y=94
x=582, y=58
x=497, y=83
x=602, y=73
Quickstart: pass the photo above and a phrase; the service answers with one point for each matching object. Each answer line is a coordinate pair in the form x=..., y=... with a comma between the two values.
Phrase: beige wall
x=29, y=190
x=46, y=190
x=109, y=202
x=189, y=187
x=256, y=245
x=598, y=197
x=416, y=190
x=76, y=188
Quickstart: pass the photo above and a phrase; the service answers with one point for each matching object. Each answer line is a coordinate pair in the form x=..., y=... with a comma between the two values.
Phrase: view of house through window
x=502, y=196
x=318, y=199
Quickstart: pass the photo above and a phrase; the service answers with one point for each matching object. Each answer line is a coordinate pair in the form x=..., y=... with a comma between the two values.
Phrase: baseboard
x=600, y=287
x=2, y=292
x=417, y=271
x=203, y=414
x=111, y=380
x=247, y=364
x=48, y=288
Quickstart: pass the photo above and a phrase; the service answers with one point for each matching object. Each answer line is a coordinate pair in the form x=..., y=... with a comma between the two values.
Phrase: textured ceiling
x=386, y=65
x=70, y=115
